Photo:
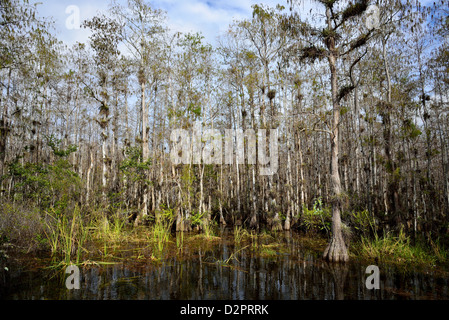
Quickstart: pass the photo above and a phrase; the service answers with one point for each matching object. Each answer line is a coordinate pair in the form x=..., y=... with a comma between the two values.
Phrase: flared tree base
x=336, y=251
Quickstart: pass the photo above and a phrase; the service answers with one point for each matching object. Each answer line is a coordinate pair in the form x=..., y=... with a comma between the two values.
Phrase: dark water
x=294, y=274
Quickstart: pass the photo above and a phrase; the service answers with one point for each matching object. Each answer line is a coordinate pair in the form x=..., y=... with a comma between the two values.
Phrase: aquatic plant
x=66, y=235
x=161, y=228
x=108, y=228
x=399, y=250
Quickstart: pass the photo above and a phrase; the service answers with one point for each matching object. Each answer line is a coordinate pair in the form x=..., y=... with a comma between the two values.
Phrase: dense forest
x=356, y=113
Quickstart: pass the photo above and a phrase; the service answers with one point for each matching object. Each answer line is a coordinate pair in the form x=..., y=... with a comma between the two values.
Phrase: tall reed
x=66, y=235
x=161, y=229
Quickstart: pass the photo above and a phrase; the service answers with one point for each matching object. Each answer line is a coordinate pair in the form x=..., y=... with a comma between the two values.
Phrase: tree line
x=360, y=113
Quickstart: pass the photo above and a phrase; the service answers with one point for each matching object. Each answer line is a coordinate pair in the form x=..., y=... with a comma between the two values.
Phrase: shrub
x=362, y=222
x=47, y=185
x=317, y=219
x=21, y=226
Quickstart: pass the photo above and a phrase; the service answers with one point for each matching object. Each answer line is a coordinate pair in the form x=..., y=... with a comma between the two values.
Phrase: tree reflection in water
x=207, y=273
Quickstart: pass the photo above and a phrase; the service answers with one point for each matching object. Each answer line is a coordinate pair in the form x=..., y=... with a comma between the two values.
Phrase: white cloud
x=57, y=10
x=211, y=17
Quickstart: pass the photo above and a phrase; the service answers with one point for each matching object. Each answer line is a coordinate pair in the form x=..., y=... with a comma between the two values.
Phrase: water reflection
x=294, y=274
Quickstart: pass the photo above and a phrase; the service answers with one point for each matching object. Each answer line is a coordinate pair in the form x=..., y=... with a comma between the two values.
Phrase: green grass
x=209, y=229
x=108, y=229
x=161, y=230
x=268, y=251
x=180, y=241
x=399, y=250
x=240, y=235
x=66, y=236
x=70, y=234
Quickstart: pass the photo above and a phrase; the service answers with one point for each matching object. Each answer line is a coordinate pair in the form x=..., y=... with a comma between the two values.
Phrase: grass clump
x=66, y=235
x=270, y=250
x=399, y=250
x=109, y=229
x=203, y=223
x=209, y=230
x=240, y=235
x=161, y=229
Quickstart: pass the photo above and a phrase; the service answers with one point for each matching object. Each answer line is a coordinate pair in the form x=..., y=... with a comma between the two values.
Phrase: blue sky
x=211, y=17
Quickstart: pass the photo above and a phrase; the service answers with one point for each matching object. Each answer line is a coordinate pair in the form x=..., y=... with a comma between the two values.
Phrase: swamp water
x=221, y=270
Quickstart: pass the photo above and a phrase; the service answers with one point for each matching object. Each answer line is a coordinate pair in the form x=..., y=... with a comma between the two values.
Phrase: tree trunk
x=336, y=250
x=145, y=154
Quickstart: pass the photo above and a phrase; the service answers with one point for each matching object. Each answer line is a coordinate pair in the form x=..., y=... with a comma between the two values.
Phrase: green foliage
x=409, y=130
x=343, y=110
x=196, y=218
x=187, y=181
x=317, y=219
x=55, y=145
x=66, y=235
x=195, y=110
x=399, y=250
x=239, y=234
x=209, y=228
x=180, y=240
x=268, y=251
x=161, y=228
x=363, y=222
x=48, y=185
x=108, y=229
x=211, y=172
x=133, y=167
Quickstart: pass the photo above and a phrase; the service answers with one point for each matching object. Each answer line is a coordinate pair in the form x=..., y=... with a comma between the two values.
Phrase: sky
x=210, y=17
